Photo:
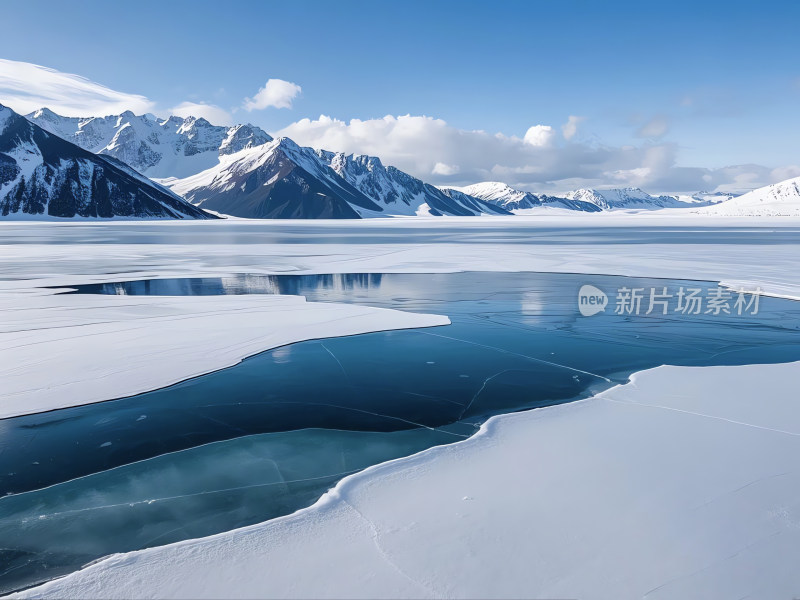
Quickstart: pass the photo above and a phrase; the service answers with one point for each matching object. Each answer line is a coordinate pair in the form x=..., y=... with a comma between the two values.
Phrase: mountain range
x=160, y=164
x=157, y=148
x=586, y=200
x=43, y=174
x=500, y=194
x=280, y=179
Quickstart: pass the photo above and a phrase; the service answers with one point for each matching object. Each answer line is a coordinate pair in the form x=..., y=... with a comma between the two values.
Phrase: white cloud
x=654, y=128
x=430, y=149
x=276, y=93
x=442, y=169
x=25, y=87
x=210, y=112
x=540, y=135
x=570, y=128
x=787, y=172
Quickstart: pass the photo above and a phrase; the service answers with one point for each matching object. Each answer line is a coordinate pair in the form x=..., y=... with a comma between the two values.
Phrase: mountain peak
x=287, y=142
x=6, y=114
x=44, y=113
x=240, y=137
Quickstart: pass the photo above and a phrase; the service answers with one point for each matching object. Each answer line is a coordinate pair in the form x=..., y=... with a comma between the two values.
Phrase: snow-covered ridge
x=586, y=199
x=397, y=192
x=173, y=147
x=500, y=194
x=777, y=200
x=626, y=198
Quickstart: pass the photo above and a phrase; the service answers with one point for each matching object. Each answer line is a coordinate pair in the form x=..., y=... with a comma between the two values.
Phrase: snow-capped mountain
x=283, y=180
x=42, y=174
x=780, y=199
x=173, y=147
x=398, y=193
x=276, y=180
x=473, y=203
x=624, y=198
x=706, y=198
x=500, y=194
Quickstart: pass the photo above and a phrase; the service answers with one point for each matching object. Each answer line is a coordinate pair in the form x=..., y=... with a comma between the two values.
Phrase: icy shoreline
x=555, y=502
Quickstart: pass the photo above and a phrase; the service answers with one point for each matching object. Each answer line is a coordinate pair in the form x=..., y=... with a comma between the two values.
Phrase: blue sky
x=719, y=83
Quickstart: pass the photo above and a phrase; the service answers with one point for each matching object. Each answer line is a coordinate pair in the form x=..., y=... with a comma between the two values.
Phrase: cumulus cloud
x=570, y=128
x=430, y=149
x=276, y=93
x=442, y=169
x=210, y=112
x=540, y=135
x=25, y=87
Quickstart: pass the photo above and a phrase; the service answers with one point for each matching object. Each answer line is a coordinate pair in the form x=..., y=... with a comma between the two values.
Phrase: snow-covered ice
x=67, y=350
x=680, y=484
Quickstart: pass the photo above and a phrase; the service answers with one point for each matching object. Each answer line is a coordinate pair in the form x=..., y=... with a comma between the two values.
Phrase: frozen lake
x=268, y=436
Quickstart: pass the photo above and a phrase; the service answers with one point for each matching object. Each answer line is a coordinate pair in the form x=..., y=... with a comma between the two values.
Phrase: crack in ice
x=180, y=496
x=369, y=412
x=697, y=414
x=375, y=536
x=478, y=393
x=341, y=366
x=503, y=350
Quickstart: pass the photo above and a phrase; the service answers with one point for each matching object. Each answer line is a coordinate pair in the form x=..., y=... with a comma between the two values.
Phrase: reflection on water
x=286, y=424
x=291, y=285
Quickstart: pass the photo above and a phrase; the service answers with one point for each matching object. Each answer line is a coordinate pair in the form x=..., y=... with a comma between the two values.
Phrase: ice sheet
x=130, y=339
x=680, y=484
